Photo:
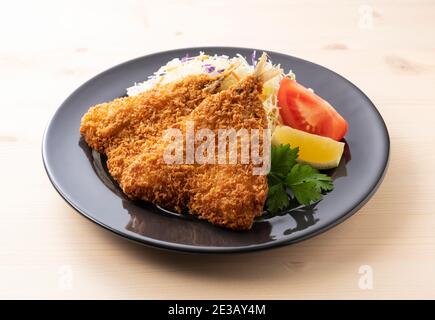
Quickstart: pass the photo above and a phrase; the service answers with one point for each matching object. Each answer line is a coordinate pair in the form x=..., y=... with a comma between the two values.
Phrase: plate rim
x=172, y=246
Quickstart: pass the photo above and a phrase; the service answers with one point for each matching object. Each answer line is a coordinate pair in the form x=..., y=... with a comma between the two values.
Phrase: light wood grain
x=48, y=48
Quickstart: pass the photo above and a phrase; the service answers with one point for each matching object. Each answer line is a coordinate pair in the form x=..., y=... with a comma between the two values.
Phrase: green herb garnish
x=304, y=182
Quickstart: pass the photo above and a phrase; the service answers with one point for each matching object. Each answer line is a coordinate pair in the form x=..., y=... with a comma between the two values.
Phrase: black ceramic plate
x=80, y=175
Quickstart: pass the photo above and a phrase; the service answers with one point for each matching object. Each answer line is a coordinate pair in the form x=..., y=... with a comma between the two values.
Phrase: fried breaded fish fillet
x=228, y=195
x=120, y=127
x=129, y=130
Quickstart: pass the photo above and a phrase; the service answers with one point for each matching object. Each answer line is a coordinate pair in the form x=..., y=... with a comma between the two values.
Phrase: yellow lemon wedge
x=320, y=152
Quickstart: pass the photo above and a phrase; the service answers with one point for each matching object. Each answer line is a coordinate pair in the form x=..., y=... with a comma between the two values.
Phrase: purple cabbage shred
x=186, y=58
x=253, y=58
x=209, y=68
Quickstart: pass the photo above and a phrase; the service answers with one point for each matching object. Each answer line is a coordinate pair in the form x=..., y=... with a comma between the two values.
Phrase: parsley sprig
x=304, y=182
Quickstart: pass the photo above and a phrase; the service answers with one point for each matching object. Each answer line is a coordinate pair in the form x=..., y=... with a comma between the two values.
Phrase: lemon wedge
x=320, y=152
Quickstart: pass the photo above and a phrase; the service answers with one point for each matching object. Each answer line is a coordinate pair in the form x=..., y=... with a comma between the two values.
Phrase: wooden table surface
x=386, y=250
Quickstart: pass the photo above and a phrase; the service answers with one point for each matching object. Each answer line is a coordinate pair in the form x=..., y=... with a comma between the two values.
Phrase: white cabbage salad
x=214, y=65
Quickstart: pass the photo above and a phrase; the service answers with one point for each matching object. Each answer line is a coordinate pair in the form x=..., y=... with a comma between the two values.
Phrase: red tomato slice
x=304, y=110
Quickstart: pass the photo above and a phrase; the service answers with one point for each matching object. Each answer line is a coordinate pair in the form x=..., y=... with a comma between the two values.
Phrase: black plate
x=81, y=178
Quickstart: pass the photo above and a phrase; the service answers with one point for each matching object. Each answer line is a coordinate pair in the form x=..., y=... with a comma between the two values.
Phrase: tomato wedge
x=302, y=109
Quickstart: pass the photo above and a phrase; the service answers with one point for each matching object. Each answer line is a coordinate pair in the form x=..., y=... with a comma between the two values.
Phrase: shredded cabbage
x=213, y=65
